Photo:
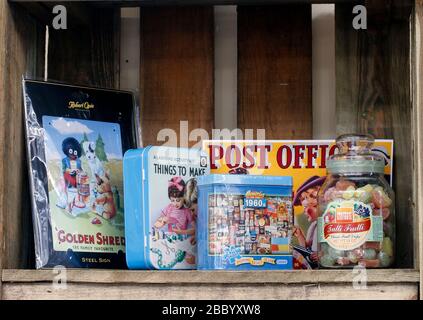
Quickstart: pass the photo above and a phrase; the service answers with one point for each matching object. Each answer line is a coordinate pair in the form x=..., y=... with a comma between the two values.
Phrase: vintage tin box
x=161, y=206
x=245, y=222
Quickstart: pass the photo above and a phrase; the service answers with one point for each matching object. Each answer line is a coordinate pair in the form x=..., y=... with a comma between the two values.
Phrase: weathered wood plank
x=222, y=277
x=86, y=54
x=18, y=57
x=209, y=291
x=274, y=70
x=187, y=2
x=417, y=68
x=373, y=95
x=176, y=78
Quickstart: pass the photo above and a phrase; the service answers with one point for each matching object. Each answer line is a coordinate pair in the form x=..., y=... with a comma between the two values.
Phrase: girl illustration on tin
x=178, y=219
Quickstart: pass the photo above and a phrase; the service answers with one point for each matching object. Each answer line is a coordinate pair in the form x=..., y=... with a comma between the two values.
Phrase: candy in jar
x=356, y=224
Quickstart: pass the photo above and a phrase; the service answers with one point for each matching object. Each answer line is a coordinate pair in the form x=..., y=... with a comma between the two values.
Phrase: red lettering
x=323, y=156
x=99, y=239
x=215, y=157
x=228, y=157
x=311, y=155
x=346, y=227
x=298, y=155
x=249, y=157
x=263, y=164
x=279, y=157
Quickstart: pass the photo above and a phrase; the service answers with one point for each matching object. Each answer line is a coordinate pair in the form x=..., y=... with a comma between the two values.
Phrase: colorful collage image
x=263, y=229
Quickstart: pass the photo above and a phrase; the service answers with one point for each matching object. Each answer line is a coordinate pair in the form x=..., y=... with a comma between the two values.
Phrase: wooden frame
x=21, y=32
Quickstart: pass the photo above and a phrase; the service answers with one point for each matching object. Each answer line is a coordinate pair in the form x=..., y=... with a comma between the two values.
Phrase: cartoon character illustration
x=104, y=204
x=72, y=171
x=95, y=164
x=306, y=196
x=71, y=164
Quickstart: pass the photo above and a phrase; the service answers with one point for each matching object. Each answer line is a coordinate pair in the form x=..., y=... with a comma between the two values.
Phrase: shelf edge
x=211, y=277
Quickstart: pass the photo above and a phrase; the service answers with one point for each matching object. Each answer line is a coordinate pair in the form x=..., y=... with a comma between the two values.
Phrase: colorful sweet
x=388, y=247
x=343, y=261
x=369, y=254
x=380, y=199
x=348, y=193
x=364, y=194
x=353, y=257
x=375, y=263
x=386, y=213
x=342, y=185
x=334, y=253
x=356, y=210
x=385, y=259
x=372, y=245
x=327, y=261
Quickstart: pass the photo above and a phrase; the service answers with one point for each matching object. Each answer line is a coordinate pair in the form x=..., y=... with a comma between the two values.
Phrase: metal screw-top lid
x=355, y=155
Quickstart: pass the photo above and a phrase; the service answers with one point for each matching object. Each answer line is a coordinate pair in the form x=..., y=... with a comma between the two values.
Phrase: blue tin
x=245, y=222
x=161, y=206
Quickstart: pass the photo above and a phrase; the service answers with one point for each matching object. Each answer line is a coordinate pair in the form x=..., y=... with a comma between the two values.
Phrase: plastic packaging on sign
x=161, y=206
x=245, y=222
x=356, y=225
x=75, y=142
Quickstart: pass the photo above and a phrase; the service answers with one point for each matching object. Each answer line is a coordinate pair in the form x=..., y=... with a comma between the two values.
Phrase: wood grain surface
x=373, y=95
x=46, y=291
x=87, y=53
x=177, y=50
x=274, y=70
x=18, y=57
x=417, y=67
x=299, y=284
x=207, y=277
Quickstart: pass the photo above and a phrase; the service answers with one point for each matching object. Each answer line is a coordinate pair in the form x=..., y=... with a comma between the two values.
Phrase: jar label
x=346, y=225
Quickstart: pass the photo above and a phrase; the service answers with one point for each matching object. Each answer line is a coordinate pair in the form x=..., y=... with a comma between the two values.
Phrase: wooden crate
x=378, y=90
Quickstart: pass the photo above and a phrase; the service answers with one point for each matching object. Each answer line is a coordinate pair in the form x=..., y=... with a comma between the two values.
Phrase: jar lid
x=355, y=155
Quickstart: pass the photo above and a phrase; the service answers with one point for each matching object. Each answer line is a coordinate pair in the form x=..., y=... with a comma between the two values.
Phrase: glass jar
x=356, y=224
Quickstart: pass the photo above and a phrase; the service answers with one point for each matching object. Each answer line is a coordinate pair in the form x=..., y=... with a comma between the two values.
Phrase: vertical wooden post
x=373, y=95
x=18, y=39
x=417, y=77
x=274, y=70
x=176, y=78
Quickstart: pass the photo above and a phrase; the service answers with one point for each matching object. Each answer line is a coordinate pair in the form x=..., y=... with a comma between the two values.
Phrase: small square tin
x=161, y=206
x=261, y=240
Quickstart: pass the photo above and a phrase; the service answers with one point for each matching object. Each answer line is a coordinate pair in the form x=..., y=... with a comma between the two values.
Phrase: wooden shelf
x=189, y=2
x=119, y=284
x=216, y=277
